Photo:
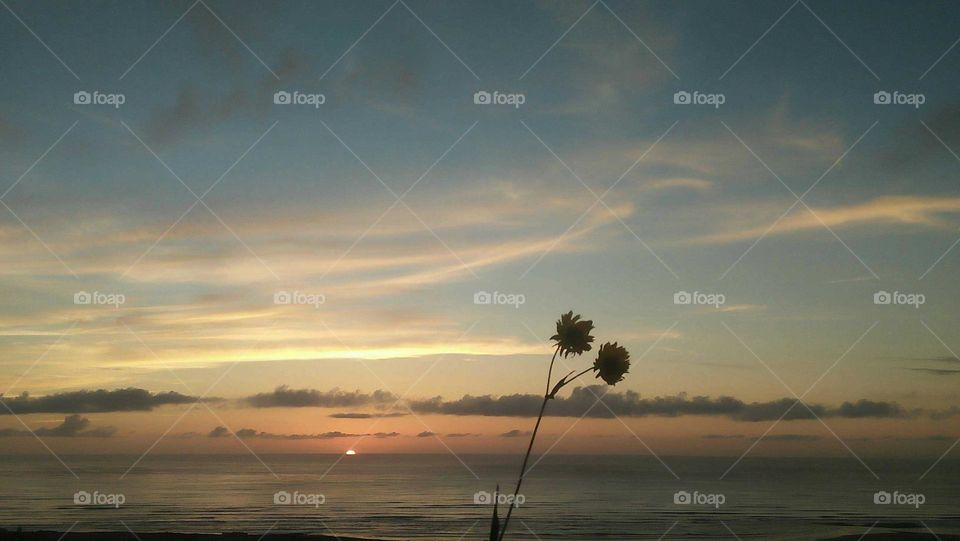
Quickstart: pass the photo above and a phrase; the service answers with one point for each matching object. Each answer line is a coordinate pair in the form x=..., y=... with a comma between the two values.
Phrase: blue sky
x=501, y=198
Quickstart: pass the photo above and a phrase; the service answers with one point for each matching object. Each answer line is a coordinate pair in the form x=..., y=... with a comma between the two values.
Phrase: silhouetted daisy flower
x=573, y=335
x=612, y=363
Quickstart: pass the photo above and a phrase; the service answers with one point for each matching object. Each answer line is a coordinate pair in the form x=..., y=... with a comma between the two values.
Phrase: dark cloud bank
x=99, y=401
x=582, y=401
x=250, y=433
x=73, y=426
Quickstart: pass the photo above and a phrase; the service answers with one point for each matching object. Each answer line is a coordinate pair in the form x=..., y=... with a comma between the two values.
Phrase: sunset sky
x=399, y=198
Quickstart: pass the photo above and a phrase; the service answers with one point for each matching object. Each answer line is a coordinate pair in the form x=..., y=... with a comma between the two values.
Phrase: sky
x=267, y=277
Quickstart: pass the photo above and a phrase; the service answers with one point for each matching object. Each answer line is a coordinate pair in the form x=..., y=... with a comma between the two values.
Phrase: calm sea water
x=432, y=496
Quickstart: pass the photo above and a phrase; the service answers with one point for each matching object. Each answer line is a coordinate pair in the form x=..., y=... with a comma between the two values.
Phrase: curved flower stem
x=523, y=467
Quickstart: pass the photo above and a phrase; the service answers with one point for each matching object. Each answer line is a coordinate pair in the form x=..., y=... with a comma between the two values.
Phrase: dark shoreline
x=48, y=535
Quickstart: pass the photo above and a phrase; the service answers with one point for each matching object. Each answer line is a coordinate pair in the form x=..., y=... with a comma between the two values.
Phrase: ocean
x=434, y=497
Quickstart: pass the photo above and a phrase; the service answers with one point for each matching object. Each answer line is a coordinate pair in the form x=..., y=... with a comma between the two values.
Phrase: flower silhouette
x=573, y=335
x=572, y=338
x=612, y=363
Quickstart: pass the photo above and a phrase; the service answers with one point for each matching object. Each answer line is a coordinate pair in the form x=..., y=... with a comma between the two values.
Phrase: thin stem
x=580, y=374
x=526, y=457
x=550, y=370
